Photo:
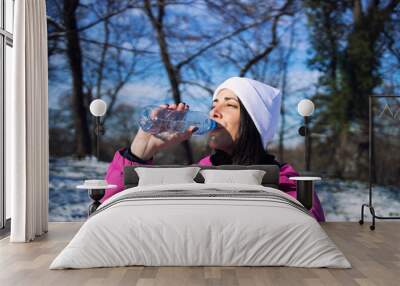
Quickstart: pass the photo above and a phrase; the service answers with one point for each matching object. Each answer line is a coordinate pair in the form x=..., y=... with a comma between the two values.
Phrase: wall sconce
x=306, y=108
x=98, y=108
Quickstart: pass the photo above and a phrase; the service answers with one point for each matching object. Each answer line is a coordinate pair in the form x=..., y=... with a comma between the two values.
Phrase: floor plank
x=374, y=255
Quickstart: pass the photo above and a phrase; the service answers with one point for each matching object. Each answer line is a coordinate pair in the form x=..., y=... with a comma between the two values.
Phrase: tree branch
x=161, y=11
x=55, y=24
x=114, y=93
x=61, y=33
x=138, y=51
x=218, y=41
x=106, y=17
x=274, y=42
x=391, y=6
x=231, y=59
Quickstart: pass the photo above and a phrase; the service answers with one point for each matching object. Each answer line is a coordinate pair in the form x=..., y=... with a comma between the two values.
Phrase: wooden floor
x=374, y=255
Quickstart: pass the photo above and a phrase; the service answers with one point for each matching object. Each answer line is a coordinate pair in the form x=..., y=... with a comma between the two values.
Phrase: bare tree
x=285, y=66
x=98, y=68
x=185, y=48
x=285, y=10
x=74, y=54
x=247, y=51
x=157, y=13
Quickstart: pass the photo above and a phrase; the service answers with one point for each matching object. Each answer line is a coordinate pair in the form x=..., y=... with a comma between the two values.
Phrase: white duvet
x=183, y=231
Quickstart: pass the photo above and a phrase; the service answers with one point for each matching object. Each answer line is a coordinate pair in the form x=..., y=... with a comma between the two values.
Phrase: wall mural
x=220, y=82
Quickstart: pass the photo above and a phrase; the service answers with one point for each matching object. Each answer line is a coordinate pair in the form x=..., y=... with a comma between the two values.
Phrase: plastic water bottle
x=154, y=119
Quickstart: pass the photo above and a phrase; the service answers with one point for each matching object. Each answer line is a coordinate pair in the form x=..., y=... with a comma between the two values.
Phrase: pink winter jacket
x=115, y=176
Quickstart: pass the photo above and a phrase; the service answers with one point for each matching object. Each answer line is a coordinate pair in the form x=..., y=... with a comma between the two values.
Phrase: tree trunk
x=172, y=72
x=74, y=55
x=173, y=77
x=341, y=154
x=361, y=73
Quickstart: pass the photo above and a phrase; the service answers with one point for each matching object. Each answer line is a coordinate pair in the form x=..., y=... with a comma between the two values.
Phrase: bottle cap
x=213, y=125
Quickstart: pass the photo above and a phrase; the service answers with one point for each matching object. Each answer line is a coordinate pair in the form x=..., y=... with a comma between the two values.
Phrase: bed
x=198, y=224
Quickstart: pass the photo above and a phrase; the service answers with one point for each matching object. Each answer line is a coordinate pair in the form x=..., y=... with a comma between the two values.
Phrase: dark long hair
x=248, y=150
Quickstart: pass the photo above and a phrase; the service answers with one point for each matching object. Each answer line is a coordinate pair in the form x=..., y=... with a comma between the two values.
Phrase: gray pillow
x=162, y=176
x=250, y=177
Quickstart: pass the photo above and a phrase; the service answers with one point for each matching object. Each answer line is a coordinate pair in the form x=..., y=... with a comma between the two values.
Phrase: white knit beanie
x=262, y=102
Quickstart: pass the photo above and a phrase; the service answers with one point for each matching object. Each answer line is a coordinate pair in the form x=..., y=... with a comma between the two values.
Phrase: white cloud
x=144, y=93
x=302, y=79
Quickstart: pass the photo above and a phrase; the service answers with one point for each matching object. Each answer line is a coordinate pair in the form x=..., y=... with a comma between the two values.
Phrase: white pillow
x=250, y=177
x=163, y=176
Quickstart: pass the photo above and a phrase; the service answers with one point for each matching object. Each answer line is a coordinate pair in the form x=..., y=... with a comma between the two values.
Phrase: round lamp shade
x=98, y=107
x=305, y=107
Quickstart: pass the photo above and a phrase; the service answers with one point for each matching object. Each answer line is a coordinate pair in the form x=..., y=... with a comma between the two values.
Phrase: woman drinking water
x=247, y=114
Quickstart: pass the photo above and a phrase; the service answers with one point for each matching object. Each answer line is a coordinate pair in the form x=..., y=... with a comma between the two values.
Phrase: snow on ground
x=341, y=200
x=66, y=202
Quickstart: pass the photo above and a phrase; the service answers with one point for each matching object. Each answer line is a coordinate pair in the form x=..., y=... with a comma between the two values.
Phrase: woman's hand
x=145, y=144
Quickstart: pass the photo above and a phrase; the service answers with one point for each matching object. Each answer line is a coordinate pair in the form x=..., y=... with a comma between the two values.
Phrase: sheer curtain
x=27, y=124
